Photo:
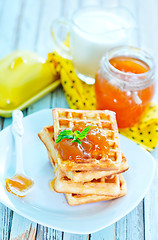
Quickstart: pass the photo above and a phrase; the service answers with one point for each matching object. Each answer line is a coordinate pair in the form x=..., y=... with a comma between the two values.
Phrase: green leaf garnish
x=75, y=139
x=66, y=132
x=59, y=138
x=76, y=136
x=68, y=136
x=82, y=135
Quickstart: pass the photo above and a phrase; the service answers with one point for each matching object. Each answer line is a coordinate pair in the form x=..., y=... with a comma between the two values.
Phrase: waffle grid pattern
x=47, y=137
x=98, y=187
x=101, y=186
x=105, y=120
x=77, y=199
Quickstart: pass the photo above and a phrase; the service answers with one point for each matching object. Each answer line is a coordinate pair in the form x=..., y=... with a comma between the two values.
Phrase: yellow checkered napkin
x=82, y=96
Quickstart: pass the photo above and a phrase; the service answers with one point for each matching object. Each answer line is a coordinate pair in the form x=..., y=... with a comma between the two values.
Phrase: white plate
x=50, y=208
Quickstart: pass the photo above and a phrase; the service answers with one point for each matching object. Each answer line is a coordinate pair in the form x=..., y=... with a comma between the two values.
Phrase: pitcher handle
x=60, y=46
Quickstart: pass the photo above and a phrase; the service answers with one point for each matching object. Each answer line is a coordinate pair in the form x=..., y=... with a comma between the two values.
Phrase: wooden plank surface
x=25, y=24
x=134, y=221
x=107, y=233
x=151, y=207
x=9, y=14
x=44, y=233
x=22, y=228
x=148, y=40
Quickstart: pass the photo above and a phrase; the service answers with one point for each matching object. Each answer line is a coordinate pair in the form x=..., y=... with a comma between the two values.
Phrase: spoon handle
x=18, y=130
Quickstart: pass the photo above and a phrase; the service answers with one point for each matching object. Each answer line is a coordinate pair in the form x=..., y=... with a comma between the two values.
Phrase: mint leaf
x=76, y=140
x=68, y=134
x=59, y=138
x=77, y=133
x=68, y=137
x=82, y=135
x=64, y=134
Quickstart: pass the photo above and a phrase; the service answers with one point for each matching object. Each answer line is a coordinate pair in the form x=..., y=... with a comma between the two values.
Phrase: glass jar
x=125, y=83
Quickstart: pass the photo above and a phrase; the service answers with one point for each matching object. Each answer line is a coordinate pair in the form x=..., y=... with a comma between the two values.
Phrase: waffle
x=77, y=199
x=106, y=122
x=85, y=176
x=109, y=186
x=85, y=185
x=102, y=186
x=47, y=137
x=96, y=190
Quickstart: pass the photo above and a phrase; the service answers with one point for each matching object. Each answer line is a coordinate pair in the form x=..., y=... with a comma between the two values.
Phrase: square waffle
x=90, y=186
x=106, y=122
x=77, y=199
x=47, y=137
x=102, y=186
x=107, y=186
x=86, y=176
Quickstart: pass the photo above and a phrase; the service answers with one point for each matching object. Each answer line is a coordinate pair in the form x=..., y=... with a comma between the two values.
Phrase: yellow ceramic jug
x=24, y=78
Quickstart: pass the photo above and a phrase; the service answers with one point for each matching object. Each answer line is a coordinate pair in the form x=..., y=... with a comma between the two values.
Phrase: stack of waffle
x=88, y=180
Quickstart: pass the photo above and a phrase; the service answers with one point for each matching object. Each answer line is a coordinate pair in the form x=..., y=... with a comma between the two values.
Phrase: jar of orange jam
x=125, y=83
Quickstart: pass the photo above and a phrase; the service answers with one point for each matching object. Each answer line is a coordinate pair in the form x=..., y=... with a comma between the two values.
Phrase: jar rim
x=125, y=80
x=146, y=54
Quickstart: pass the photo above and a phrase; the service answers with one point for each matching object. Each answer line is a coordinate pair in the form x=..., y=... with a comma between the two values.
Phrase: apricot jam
x=18, y=183
x=125, y=84
x=92, y=146
x=129, y=65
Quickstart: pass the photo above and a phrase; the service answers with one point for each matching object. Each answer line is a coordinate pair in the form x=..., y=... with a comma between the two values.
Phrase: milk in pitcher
x=93, y=33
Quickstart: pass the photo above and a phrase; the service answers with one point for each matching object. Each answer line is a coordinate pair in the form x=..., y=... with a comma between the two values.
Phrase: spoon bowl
x=19, y=184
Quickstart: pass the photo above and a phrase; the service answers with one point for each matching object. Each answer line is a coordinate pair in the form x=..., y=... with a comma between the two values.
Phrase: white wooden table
x=25, y=24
